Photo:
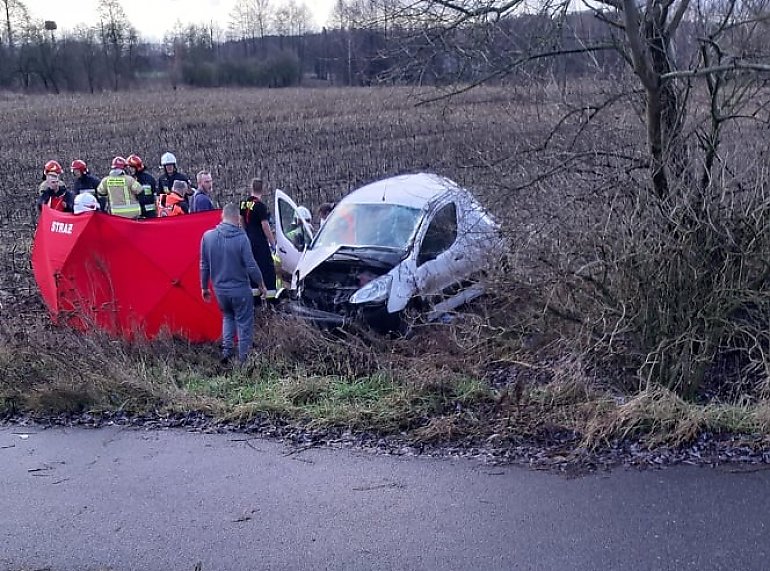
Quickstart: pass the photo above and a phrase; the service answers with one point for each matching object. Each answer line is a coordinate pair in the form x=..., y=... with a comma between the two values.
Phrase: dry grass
x=659, y=416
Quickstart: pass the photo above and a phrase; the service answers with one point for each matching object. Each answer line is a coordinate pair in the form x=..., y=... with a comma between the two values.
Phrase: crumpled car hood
x=314, y=258
x=342, y=253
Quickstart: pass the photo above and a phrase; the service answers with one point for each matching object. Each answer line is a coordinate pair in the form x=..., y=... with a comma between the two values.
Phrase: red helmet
x=135, y=161
x=78, y=165
x=52, y=167
x=118, y=163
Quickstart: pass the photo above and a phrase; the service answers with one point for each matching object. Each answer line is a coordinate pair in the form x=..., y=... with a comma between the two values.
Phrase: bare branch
x=483, y=11
x=676, y=19
x=519, y=62
x=706, y=71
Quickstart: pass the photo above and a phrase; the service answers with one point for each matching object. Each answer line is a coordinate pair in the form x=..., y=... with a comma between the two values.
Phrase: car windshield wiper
x=371, y=247
x=380, y=256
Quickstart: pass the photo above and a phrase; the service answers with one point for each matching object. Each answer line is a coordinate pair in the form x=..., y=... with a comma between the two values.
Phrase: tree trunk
x=665, y=110
x=9, y=27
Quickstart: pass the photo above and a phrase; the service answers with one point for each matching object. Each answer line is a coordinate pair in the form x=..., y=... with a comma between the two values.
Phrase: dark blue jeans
x=237, y=314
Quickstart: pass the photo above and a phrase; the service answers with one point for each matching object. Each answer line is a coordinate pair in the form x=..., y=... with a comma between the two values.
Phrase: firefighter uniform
x=121, y=192
x=149, y=194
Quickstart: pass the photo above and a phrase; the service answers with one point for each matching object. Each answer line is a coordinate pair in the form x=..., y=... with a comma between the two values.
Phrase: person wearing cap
x=52, y=191
x=120, y=191
x=173, y=203
x=86, y=202
x=297, y=234
x=170, y=174
x=135, y=167
x=84, y=180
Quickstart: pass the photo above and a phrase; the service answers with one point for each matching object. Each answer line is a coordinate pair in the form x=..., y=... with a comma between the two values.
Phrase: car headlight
x=376, y=291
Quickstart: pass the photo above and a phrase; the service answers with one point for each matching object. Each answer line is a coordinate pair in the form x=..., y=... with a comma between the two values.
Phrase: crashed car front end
x=349, y=286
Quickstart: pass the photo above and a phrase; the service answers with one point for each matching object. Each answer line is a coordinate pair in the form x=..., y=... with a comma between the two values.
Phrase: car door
x=472, y=245
x=290, y=251
x=435, y=262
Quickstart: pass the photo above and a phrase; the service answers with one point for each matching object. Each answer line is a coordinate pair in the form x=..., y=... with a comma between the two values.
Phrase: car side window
x=287, y=215
x=292, y=228
x=440, y=235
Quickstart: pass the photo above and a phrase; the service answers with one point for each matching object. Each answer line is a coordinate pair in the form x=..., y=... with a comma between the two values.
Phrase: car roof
x=413, y=190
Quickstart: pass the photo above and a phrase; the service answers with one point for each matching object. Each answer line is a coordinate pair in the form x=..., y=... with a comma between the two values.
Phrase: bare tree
x=86, y=38
x=14, y=17
x=117, y=36
x=251, y=20
x=44, y=52
x=293, y=20
x=261, y=12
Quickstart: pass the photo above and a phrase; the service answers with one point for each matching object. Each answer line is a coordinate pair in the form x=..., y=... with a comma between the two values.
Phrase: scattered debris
x=43, y=469
x=247, y=516
x=385, y=486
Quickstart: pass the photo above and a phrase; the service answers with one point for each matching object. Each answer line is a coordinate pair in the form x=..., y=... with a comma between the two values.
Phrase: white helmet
x=85, y=202
x=303, y=213
x=167, y=159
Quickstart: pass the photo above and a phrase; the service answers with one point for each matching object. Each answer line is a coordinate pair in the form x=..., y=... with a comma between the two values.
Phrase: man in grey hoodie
x=227, y=262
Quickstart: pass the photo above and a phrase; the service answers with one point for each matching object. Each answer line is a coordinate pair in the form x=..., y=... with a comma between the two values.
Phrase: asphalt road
x=126, y=499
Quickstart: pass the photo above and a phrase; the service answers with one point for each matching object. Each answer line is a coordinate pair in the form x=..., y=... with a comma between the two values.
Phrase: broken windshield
x=374, y=224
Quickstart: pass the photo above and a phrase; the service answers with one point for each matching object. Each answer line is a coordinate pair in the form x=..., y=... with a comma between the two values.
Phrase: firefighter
x=120, y=191
x=52, y=191
x=84, y=180
x=135, y=167
x=170, y=174
x=173, y=203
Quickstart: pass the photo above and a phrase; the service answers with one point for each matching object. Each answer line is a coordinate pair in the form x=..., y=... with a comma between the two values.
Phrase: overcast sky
x=154, y=17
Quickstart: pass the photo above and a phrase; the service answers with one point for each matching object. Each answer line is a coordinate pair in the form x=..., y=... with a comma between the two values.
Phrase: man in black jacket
x=84, y=180
x=135, y=168
x=170, y=174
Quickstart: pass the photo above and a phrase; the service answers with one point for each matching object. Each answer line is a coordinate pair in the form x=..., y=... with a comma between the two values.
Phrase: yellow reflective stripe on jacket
x=127, y=211
x=122, y=200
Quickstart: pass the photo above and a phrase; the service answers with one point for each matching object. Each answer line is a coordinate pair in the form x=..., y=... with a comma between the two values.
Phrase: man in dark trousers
x=228, y=264
x=255, y=217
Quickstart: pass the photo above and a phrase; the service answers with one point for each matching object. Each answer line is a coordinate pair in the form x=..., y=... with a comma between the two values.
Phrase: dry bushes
x=676, y=288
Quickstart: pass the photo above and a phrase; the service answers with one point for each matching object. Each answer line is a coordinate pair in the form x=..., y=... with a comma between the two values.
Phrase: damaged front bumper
x=376, y=317
x=317, y=317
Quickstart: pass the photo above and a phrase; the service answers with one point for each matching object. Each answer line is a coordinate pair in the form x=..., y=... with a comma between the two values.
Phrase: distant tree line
x=275, y=45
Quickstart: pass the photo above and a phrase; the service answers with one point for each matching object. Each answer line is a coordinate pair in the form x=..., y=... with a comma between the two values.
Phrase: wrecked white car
x=411, y=241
